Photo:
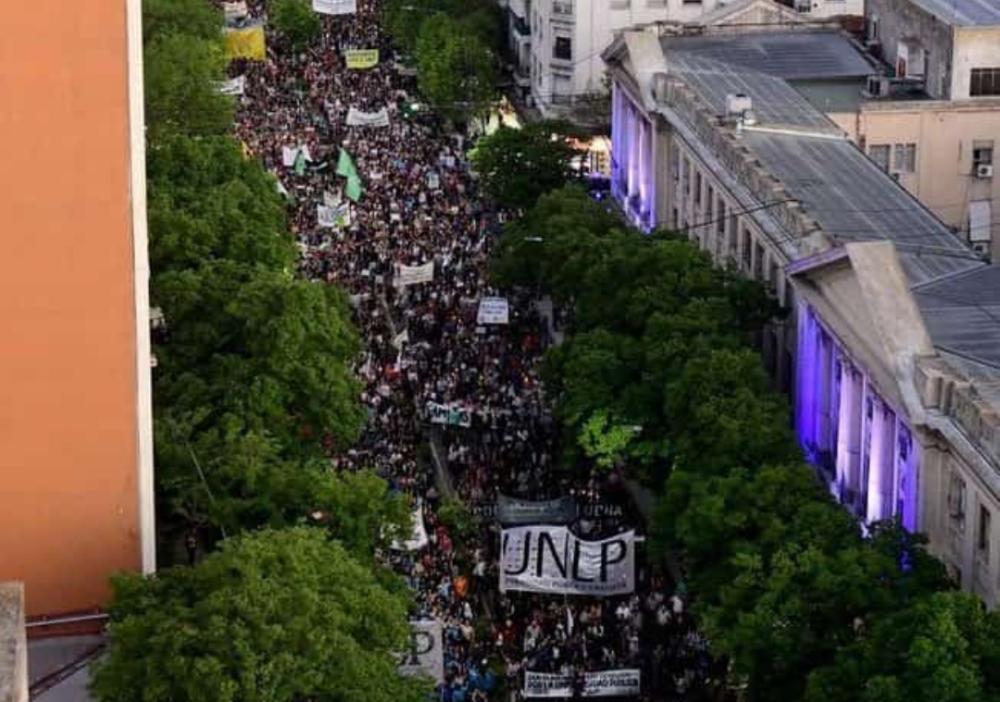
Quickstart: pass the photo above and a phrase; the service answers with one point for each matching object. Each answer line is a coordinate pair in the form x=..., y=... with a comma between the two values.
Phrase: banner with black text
x=601, y=683
x=545, y=558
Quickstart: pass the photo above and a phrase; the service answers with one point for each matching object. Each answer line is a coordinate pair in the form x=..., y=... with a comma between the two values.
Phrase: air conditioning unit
x=984, y=170
x=981, y=247
x=737, y=104
x=803, y=5
x=877, y=86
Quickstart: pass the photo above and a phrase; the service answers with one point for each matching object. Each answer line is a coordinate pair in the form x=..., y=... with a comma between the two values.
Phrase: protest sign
x=552, y=559
x=333, y=217
x=426, y=654
x=493, y=310
x=246, y=42
x=601, y=683
x=357, y=118
x=335, y=7
x=413, y=275
x=451, y=414
x=513, y=511
x=233, y=86
x=360, y=59
x=289, y=154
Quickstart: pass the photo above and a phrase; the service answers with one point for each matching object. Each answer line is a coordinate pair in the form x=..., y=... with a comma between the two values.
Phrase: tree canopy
x=182, y=73
x=208, y=201
x=517, y=166
x=296, y=20
x=456, y=71
x=275, y=616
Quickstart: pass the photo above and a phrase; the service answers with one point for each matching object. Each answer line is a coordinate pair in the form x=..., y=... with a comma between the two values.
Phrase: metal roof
x=968, y=13
x=774, y=100
x=798, y=55
x=849, y=197
x=852, y=199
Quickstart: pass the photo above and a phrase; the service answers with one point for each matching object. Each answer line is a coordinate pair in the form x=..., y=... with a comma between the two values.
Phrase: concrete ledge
x=13, y=644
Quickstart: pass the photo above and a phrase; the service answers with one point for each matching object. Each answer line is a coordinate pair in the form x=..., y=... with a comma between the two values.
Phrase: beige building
x=943, y=153
x=892, y=349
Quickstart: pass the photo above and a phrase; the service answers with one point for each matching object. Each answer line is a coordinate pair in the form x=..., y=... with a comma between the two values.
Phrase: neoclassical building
x=891, y=352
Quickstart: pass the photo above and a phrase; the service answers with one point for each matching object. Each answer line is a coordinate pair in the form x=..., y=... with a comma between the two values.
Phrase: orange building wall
x=68, y=427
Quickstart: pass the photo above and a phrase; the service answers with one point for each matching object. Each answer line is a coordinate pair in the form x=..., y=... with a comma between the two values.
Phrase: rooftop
x=796, y=55
x=966, y=13
x=847, y=196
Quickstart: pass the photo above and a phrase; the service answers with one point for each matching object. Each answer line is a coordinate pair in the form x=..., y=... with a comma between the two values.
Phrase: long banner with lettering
x=552, y=559
x=513, y=511
x=602, y=683
x=335, y=7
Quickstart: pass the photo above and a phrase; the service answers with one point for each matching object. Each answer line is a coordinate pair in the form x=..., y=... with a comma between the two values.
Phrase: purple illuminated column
x=849, y=432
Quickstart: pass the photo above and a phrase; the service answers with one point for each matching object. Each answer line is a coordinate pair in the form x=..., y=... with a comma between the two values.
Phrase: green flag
x=353, y=189
x=345, y=168
x=300, y=163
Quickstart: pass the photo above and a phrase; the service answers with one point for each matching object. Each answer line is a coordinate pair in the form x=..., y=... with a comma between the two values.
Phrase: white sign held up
x=493, y=310
x=426, y=654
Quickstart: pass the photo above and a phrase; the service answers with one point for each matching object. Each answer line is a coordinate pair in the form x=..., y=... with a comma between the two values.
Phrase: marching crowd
x=423, y=344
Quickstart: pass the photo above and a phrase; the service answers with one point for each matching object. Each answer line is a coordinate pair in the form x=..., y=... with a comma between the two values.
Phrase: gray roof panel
x=774, y=101
x=966, y=13
x=790, y=55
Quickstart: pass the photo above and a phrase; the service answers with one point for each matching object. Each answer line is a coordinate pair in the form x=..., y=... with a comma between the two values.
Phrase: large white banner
x=335, y=7
x=552, y=559
x=412, y=275
x=426, y=654
x=602, y=683
x=493, y=310
x=357, y=118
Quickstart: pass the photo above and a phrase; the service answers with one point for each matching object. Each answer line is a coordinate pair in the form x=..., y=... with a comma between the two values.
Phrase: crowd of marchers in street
x=422, y=344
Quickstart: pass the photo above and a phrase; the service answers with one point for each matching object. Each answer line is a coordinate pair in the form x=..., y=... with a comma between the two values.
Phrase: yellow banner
x=245, y=43
x=361, y=58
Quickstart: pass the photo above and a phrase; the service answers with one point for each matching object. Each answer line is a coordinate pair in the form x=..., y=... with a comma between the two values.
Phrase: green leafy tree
x=296, y=20
x=264, y=347
x=275, y=616
x=480, y=18
x=945, y=648
x=190, y=17
x=182, y=72
x=208, y=201
x=517, y=166
x=456, y=71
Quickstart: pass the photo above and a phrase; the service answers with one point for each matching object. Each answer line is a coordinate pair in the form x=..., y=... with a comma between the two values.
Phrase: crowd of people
x=423, y=344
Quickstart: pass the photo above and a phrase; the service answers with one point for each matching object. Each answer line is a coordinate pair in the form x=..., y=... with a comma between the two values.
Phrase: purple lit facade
x=633, y=160
x=861, y=444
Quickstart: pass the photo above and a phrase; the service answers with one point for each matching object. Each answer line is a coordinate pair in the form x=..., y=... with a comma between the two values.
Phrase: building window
x=879, y=153
x=697, y=188
x=692, y=2
x=983, y=538
x=956, y=502
x=563, y=49
x=982, y=154
x=984, y=81
x=904, y=158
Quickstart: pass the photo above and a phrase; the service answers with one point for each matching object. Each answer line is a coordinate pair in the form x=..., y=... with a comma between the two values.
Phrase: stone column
x=13, y=646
